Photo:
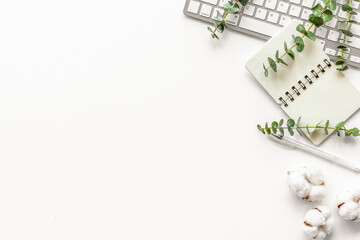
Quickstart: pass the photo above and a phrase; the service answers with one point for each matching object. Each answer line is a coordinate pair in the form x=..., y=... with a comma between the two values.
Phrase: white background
x=125, y=120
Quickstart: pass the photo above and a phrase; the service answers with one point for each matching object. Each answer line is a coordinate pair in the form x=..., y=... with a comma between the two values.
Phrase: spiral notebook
x=309, y=87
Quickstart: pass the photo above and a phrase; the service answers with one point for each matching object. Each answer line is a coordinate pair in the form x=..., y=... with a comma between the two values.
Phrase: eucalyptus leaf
x=327, y=16
x=317, y=21
x=317, y=9
x=266, y=72
x=268, y=131
x=311, y=35
x=346, y=8
x=230, y=8
x=299, y=44
x=274, y=126
x=300, y=28
x=272, y=64
x=260, y=129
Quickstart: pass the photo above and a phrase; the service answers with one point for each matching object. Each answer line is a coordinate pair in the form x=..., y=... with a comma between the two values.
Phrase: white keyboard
x=262, y=18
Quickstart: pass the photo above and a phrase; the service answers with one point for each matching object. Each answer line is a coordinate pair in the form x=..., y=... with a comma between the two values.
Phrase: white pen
x=320, y=153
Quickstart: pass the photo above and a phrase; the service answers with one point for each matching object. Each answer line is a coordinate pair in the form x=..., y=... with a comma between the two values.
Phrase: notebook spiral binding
x=295, y=91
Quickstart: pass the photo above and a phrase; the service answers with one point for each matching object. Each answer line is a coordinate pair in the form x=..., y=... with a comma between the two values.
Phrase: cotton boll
x=325, y=211
x=314, y=175
x=315, y=218
x=317, y=193
x=311, y=232
x=349, y=211
x=344, y=197
x=348, y=204
x=321, y=235
x=299, y=185
x=318, y=223
x=307, y=183
x=329, y=225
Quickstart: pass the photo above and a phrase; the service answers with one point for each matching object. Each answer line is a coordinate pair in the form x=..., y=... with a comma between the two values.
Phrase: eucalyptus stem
x=220, y=24
x=321, y=127
x=302, y=37
x=225, y=15
x=347, y=33
x=290, y=125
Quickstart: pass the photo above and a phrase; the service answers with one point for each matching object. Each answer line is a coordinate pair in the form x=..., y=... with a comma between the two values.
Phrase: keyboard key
x=249, y=10
x=258, y=26
x=307, y=25
x=284, y=20
x=355, y=5
x=355, y=29
x=273, y=17
x=270, y=4
x=321, y=43
x=295, y=1
x=330, y=51
x=258, y=2
x=205, y=10
x=355, y=42
x=321, y=32
x=333, y=35
x=356, y=17
x=342, y=14
x=346, y=55
x=332, y=23
x=193, y=7
x=214, y=16
x=210, y=1
x=222, y=3
x=308, y=3
x=305, y=14
x=283, y=7
x=261, y=13
x=294, y=11
x=232, y=19
x=355, y=59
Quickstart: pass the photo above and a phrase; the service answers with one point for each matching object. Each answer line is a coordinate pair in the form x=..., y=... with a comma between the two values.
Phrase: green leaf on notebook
x=311, y=35
x=279, y=60
x=301, y=29
x=272, y=64
x=326, y=127
x=299, y=44
x=266, y=72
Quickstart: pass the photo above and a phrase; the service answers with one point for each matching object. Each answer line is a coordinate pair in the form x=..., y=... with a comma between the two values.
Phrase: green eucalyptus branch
x=347, y=33
x=319, y=16
x=291, y=125
x=230, y=8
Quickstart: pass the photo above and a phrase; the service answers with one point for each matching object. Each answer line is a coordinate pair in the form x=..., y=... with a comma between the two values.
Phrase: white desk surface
x=125, y=120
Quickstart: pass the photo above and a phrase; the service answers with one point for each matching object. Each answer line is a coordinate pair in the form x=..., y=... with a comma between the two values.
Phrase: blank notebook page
x=331, y=96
